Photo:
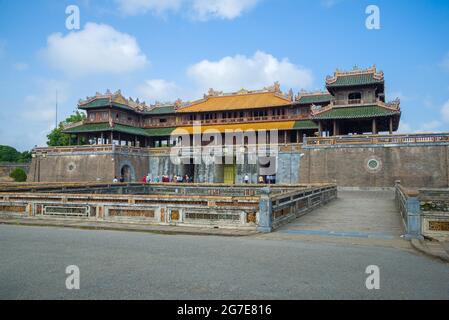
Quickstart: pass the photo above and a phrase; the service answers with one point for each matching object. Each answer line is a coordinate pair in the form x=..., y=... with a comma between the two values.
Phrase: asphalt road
x=130, y=265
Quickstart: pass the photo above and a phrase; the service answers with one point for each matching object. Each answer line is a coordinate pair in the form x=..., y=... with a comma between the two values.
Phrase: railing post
x=265, y=211
x=413, y=218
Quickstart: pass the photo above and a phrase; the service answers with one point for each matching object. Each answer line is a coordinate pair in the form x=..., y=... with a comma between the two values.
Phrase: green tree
x=24, y=157
x=19, y=175
x=8, y=154
x=57, y=138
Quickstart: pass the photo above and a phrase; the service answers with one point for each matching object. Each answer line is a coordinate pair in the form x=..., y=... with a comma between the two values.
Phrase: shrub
x=19, y=175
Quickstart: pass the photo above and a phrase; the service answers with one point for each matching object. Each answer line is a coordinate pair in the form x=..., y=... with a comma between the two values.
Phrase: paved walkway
x=365, y=216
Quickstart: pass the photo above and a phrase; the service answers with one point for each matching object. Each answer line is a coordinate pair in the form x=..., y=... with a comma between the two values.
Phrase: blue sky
x=162, y=50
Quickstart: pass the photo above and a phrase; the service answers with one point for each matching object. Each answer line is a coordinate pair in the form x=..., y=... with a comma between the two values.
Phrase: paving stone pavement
x=354, y=214
x=363, y=217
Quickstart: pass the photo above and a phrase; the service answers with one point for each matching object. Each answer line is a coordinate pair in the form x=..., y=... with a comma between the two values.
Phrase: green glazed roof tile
x=129, y=129
x=356, y=112
x=90, y=127
x=315, y=99
x=95, y=127
x=162, y=110
x=352, y=80
x=96, y=103
x=305, y=124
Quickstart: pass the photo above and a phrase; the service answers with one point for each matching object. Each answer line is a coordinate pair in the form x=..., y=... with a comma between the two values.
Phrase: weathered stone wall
x=376, y=166
x=160, y=165
x=288, y=168
x=6, y=168
x=347, y=165
x=74, y=167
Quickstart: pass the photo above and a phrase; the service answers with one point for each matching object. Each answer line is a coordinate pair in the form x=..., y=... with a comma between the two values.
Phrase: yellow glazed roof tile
x=237, y=102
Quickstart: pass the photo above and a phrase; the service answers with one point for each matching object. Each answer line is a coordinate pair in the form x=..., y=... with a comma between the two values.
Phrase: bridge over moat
x=355, y=214
x=311, y=209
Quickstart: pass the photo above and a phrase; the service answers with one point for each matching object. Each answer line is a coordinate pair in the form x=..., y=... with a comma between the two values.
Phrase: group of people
x=166, y=178
x=122, y=179
x=270, y=179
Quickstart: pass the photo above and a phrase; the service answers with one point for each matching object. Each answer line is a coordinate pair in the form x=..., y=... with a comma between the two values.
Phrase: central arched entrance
x=127, y=172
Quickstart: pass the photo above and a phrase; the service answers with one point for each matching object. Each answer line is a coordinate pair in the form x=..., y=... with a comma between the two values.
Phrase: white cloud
x=262, y=69
x=134, y=7
x=445, y=112
x=33, y=117
x=41, y=107
x=158, y=90
x=222, y=9
x=200, y=9
x=96, y=49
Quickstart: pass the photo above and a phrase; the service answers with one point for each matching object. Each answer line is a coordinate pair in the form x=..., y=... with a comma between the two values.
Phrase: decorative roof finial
x=178, y=103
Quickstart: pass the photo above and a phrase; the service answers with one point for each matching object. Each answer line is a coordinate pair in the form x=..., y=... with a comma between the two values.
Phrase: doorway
x=229, y=171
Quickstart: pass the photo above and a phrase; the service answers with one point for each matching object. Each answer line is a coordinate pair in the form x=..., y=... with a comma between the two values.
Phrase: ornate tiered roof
x=243, y=99
x=304, y=97
x=355, y=77
x=118, y=100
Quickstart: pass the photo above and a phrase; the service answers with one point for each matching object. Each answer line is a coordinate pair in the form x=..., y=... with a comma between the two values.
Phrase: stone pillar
x=413, y=218
x=374, y=125
x=391, y=125
x=265, y=211
x=320, y=129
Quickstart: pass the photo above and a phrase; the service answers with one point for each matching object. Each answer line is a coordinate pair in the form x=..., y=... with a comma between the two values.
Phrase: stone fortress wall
x=7, y=167
x=416, y=163
x=377, y=166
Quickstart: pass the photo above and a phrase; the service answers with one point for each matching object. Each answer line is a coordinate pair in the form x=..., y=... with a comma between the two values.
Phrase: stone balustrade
x=425, y=211
x=396, y=139
x=214, y=205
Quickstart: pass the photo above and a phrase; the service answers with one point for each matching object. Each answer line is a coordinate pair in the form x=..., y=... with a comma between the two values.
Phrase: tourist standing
x=246, y=179
x=115, y=180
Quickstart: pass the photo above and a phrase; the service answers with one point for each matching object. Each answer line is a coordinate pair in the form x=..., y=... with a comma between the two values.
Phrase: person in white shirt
x=246, y=178
x=115, y=180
